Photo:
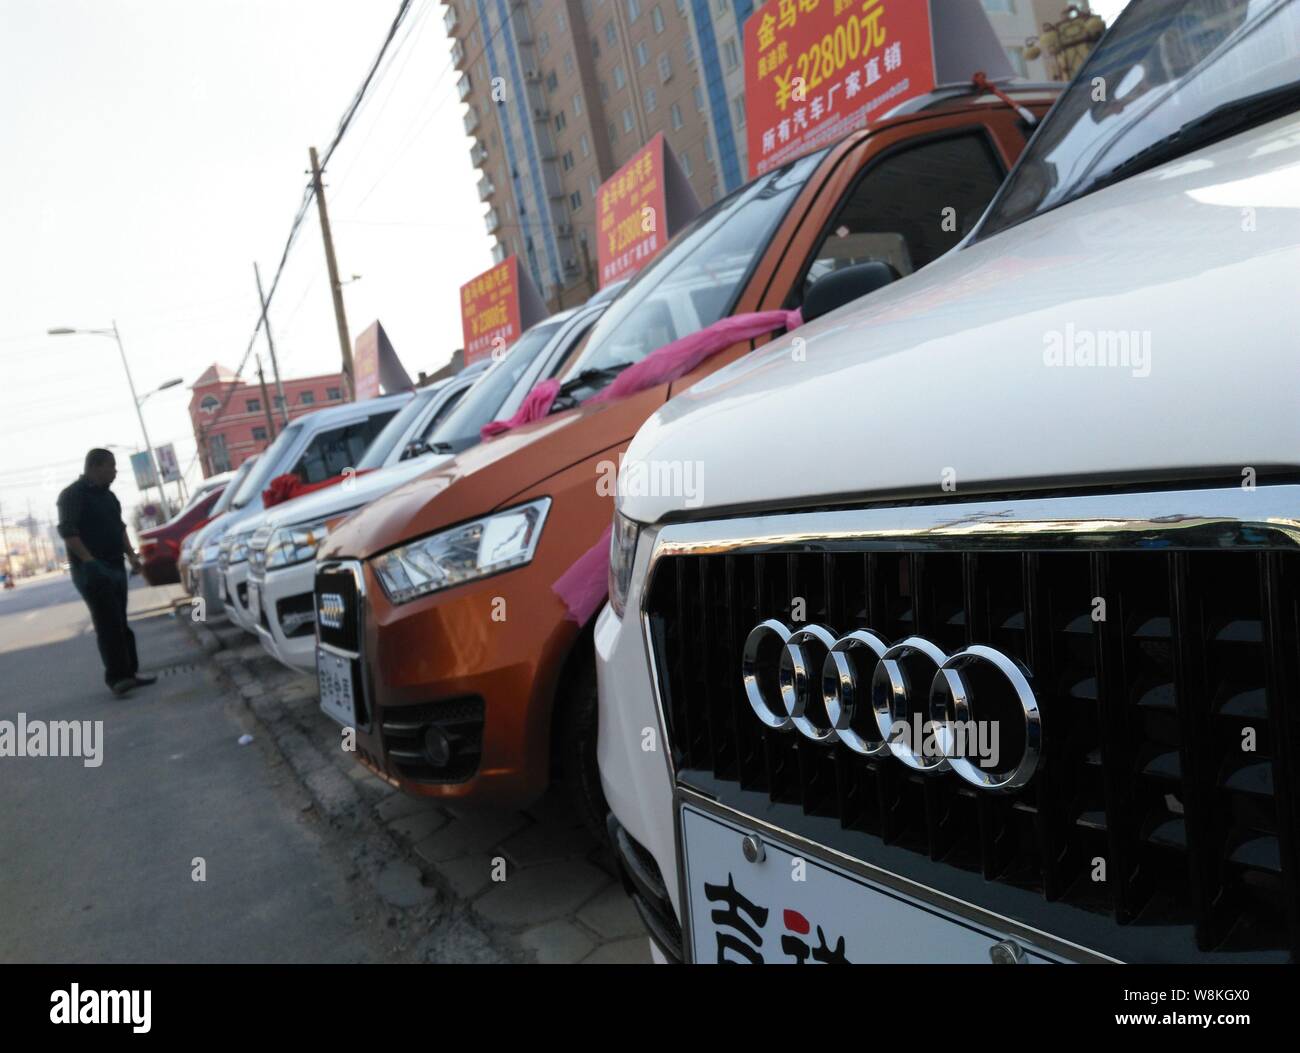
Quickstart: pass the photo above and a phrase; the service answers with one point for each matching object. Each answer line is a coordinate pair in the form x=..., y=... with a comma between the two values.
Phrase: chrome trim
x=1262, y=518
x=960, y=910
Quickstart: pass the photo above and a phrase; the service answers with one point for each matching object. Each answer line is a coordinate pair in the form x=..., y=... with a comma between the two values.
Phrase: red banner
x=817, y=69
x=489, y=310
x=632, y=214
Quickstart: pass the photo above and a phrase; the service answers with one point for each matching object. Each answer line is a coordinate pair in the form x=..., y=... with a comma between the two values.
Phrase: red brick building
x=226, y=438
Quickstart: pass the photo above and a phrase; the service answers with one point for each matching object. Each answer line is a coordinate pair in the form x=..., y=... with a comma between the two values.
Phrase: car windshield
x=1169, y=77
x=377, y=452
x=253, y=483
x=697, y=278
x=232, y=487
x=483, y=401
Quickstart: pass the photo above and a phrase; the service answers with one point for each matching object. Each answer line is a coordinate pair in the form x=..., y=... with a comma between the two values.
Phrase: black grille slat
x=1140, y=714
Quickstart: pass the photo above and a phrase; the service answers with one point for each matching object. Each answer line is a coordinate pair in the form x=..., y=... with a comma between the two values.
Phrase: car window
x=331, y=451
x=443, y=412
x=911, y=206
x=697, y=278
x=461, y=427
x=255, y=481
x=396, y=428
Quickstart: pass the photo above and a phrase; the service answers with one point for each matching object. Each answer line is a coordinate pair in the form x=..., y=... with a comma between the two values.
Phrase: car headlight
x=295, y=544
x=622, y=554
x=472, y=550
x=235, y=549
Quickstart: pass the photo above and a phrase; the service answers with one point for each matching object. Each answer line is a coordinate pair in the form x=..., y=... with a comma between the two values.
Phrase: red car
x=161, y=547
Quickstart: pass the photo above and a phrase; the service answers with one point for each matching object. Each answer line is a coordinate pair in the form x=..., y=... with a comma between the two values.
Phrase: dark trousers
x=103, y=587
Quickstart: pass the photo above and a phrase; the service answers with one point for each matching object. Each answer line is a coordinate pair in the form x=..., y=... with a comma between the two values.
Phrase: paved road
x=96, y=864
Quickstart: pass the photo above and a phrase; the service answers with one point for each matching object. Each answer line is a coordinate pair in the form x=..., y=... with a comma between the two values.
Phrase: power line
x=308, y=194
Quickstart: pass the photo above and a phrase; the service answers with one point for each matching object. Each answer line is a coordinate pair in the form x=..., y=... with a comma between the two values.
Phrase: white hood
x=950, y=375
x=347, y=495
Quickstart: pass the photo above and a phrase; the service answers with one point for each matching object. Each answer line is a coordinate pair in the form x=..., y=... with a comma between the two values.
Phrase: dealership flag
x=496, y=308
x=639, y=209
x=818, y=69
x=375, y=365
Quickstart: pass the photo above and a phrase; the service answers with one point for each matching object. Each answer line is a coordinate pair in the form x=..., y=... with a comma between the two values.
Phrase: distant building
x=228, y=436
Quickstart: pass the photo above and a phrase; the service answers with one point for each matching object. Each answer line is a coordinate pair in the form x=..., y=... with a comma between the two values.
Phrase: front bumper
x=235, y=597
x=475, y=666
x=286, y=626
x=206, y=583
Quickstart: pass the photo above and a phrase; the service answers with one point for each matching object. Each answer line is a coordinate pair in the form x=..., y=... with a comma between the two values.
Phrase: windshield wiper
x=588, y=378
x=1219, y=123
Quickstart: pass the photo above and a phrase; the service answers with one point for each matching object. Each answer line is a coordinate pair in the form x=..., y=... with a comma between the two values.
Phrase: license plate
x=336, y=697
x=787, y=908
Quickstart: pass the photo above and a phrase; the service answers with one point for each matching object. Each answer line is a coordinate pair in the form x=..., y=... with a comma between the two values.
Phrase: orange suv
x=468, y=677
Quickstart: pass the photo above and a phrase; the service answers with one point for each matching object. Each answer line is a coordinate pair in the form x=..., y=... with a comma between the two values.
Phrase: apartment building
x=560, y=93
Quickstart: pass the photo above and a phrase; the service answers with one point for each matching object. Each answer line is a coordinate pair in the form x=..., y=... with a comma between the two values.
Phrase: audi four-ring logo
x=859, y=690
x=331, y=610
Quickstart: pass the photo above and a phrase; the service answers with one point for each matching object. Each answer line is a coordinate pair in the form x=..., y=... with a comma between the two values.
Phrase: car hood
x=485, y=477
x=349, y=494
x=949, y=382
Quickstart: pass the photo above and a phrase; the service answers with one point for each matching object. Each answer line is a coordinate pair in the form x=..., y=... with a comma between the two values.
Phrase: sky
x=153, y=149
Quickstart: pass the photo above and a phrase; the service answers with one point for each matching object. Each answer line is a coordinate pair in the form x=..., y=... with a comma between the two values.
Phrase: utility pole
x=275, y=366
x=266, y=402
x=4, y=539
x=345, y=343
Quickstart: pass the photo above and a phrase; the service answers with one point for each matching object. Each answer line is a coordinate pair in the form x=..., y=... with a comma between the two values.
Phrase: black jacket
x=94, y=514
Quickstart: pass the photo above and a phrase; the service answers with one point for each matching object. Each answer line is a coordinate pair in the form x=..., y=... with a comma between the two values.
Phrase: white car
x=424, y=435
x=314, y=447
x=978, y=641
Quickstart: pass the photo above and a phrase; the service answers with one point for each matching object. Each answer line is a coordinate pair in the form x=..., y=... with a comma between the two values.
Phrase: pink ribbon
x=583, y=587
x=661, y=366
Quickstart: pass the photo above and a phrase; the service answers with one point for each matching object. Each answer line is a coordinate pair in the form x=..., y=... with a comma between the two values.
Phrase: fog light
x=437, y=747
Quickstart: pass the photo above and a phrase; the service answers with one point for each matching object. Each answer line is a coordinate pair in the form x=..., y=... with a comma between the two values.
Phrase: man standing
x=90, y=522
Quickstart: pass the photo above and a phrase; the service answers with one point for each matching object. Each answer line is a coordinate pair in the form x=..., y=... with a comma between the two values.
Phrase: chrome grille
x=1144, y=713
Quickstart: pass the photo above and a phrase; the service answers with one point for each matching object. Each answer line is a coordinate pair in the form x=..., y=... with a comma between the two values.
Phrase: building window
x=253, y=405
x=676, y=112
x=567, y=160
x=584, y=144
x=220, y=455
x=604, y=92
x=210, y=404
x=708, y=148
x=633, y=10
x=1016, y=56
x=665, y=67
x=552, y=81
x=568, y=62
x=592, y=186
x=620, y=78
x=577, y=105
x=729, y=54
x=642, y=54
x=738, y=108
x=611, y=34
x=613, y=132
x=560, y=121
x=651, y=101
x=307, y=398
x=689, y=47
x=685, y=160
x=575, y=200
x=699, y=98
x=333, y=394
x=259, y=435
x=277, y=401
x=657, y=19
x=628, y=124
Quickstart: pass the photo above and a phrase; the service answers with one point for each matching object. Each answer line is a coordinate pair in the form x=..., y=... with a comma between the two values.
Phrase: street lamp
x=153, y=457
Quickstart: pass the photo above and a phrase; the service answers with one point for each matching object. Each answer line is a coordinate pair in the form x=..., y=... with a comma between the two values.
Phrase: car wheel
x=577, y=749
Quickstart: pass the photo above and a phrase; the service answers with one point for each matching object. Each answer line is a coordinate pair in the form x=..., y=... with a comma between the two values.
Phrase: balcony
x=477, y=155
x=471, y=120
x=485, y=188
x=457, y=53
x=492, y=221
x=464, y=86
x=450, y=18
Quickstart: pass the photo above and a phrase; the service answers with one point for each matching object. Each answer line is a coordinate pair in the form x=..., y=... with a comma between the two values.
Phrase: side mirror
x=845, y=285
